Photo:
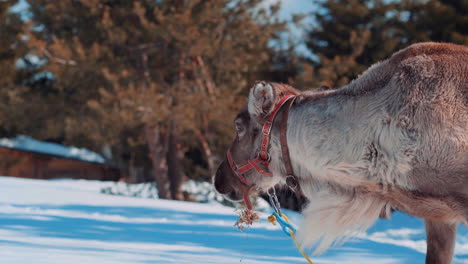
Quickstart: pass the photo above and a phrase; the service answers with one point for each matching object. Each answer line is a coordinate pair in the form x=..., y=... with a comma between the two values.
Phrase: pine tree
x=434, y=20
x=21, y=85
x=349, y=36
x=10, y=91
x=8, y=54
x=153, y=79
x=352, y=35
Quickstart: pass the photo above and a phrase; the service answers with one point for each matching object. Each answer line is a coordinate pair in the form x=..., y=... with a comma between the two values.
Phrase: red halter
x=262, y=162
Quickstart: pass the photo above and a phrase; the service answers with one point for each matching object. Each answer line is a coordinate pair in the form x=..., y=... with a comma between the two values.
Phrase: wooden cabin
x=43, y=160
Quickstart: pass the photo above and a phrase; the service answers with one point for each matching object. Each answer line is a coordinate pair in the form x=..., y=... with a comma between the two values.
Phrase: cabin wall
x=38, y=166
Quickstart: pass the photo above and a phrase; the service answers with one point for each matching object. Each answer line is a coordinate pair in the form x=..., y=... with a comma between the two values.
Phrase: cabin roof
x=29, y=144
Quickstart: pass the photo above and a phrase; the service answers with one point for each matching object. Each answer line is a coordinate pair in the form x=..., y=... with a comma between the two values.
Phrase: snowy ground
x=69, y=221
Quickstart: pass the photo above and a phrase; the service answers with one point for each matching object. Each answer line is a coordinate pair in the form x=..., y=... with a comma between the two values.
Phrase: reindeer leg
x=440, y=242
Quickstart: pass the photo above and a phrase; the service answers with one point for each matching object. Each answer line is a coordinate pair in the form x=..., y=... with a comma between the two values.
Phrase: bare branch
x=210, y=86
x=59, y=60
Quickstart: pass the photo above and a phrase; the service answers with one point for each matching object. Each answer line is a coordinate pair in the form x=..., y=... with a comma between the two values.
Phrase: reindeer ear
x=261, y=100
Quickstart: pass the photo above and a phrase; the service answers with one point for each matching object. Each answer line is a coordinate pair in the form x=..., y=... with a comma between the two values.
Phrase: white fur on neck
x=330, y=219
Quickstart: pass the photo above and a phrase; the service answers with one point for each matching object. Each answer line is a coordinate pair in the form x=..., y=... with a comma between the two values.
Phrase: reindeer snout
x=221, y=181
x=225, y=184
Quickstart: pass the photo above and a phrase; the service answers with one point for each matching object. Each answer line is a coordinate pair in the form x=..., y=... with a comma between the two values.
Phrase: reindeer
x=395, y=138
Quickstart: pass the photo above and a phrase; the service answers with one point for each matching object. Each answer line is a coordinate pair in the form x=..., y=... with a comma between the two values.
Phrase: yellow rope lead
x=300, y=248
x=272, y=219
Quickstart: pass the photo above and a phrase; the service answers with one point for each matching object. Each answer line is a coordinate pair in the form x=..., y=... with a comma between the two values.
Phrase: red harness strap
x=240, y=173
x=269, y=124
x=262, y=162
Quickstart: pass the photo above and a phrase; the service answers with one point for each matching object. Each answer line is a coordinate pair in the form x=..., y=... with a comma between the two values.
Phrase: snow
x=26, y=143
x=202, y=192
x=71, y=221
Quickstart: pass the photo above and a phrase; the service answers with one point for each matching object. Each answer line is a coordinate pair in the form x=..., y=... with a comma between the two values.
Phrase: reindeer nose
x=221, y=182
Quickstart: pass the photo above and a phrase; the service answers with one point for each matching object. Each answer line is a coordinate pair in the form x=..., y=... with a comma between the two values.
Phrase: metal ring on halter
x=291, y=181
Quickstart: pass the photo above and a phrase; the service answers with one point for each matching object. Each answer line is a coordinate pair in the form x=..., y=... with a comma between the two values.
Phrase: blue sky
x=288, y=9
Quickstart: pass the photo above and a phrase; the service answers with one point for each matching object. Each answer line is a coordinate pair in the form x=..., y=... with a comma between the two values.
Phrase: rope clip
x=288, y=229
x=274, y=200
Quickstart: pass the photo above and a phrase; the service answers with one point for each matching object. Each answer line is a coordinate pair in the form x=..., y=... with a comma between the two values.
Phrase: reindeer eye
x=238, y=126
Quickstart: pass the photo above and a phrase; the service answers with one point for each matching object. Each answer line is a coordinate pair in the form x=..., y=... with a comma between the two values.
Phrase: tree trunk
x=210, y=156
x=157, y=145
x=175, y=155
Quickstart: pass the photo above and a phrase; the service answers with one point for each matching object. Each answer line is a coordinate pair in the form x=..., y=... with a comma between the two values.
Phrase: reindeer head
x=245, y=171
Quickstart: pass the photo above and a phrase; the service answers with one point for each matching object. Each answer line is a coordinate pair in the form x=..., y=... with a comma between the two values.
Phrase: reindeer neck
x=328, y=129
